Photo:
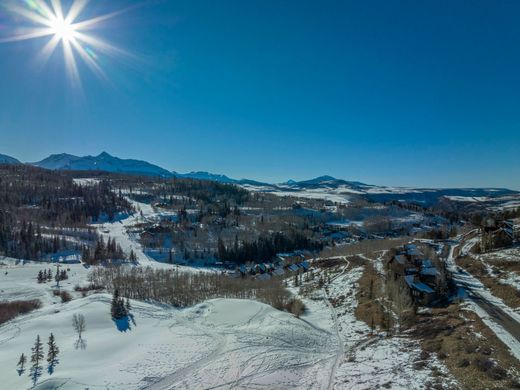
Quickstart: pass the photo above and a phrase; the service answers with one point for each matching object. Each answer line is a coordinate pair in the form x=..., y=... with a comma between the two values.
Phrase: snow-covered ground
x=364, y=360
x=119, y=230
x=86, y=182
x=504, y=276
x=331, y=194
x=470, y=199
x=18, y=280
x=221, y=343
x=346, y=223
x=342, y=194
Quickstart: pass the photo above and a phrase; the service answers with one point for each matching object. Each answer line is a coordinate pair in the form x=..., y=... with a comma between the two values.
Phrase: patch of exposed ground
x=374, y=308
x=370, y=307
x=473, y=354
x=506, y=292
x=470, y=350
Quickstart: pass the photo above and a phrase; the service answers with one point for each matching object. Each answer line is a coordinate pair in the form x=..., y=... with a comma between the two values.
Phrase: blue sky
x=385, y=92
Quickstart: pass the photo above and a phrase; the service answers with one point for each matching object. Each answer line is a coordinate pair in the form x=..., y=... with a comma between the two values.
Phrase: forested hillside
x=35, y=203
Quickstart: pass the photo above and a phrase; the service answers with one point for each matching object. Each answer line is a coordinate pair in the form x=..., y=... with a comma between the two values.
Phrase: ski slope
x=221, y=343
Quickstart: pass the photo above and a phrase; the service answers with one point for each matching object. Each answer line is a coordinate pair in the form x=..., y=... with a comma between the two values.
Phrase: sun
x=48, y=18
x=62, y=29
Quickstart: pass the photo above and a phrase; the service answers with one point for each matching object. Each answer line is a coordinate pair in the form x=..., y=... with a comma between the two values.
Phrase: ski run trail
x=120, y=230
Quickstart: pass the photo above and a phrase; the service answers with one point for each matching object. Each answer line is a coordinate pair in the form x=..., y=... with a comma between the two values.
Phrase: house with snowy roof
x=420, y=274
x=422, y=293
x=398, y=264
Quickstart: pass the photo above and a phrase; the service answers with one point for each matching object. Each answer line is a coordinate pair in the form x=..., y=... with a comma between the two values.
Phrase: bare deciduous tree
x=401, y=302
x=78, y=323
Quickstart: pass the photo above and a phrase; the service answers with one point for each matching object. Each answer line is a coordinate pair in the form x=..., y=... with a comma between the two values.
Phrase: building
x=421, y=292
x=420, y=274
x=398, y=264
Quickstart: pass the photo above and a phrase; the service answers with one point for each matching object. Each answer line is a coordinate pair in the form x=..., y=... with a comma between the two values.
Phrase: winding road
x=472, y=286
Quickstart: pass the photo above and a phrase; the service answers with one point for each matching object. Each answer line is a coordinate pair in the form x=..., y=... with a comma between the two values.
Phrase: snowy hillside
x=221, y=342
x=342, y=191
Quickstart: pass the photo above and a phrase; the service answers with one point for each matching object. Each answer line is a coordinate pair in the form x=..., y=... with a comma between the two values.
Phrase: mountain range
x=323, y=184
x=102, y=162
x=108, y=163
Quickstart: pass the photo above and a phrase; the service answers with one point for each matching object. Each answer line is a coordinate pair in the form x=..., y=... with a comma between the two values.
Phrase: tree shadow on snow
x=80, y=344
x=122, y=324
x=35, y=374
x=52, y=364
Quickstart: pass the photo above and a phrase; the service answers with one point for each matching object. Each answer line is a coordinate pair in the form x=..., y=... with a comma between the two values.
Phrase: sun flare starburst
x=47, y=18
x=62, y=29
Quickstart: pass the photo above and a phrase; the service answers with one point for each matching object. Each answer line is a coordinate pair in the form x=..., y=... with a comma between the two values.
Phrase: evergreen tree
x=57, y=276
x=117, y=308
x=52, y=354
x=127, y=305
x=85, y=254
x=36, y=358
x=114, y=304
x=21, y=364
x=40, y=276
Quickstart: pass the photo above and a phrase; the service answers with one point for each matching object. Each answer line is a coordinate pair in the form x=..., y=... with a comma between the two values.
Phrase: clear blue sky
x=416, y=93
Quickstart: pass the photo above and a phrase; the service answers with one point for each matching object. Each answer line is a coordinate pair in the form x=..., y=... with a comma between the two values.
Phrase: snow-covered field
x=219, y=343
x=330, y=194
x=18, y=280
x=470, y=199
x=341, y=194
x=86, y=182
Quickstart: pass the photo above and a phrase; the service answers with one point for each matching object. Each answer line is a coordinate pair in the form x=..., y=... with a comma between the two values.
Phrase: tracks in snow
x=169, y=381
x=340, y=353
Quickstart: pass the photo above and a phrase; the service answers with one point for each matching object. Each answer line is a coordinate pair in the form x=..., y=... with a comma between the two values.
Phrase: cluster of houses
x=498, y=234
x=425, y=280
x=283, y=265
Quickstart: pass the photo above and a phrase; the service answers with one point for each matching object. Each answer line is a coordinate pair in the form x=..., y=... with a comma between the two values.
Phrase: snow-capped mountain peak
x=102, y=162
